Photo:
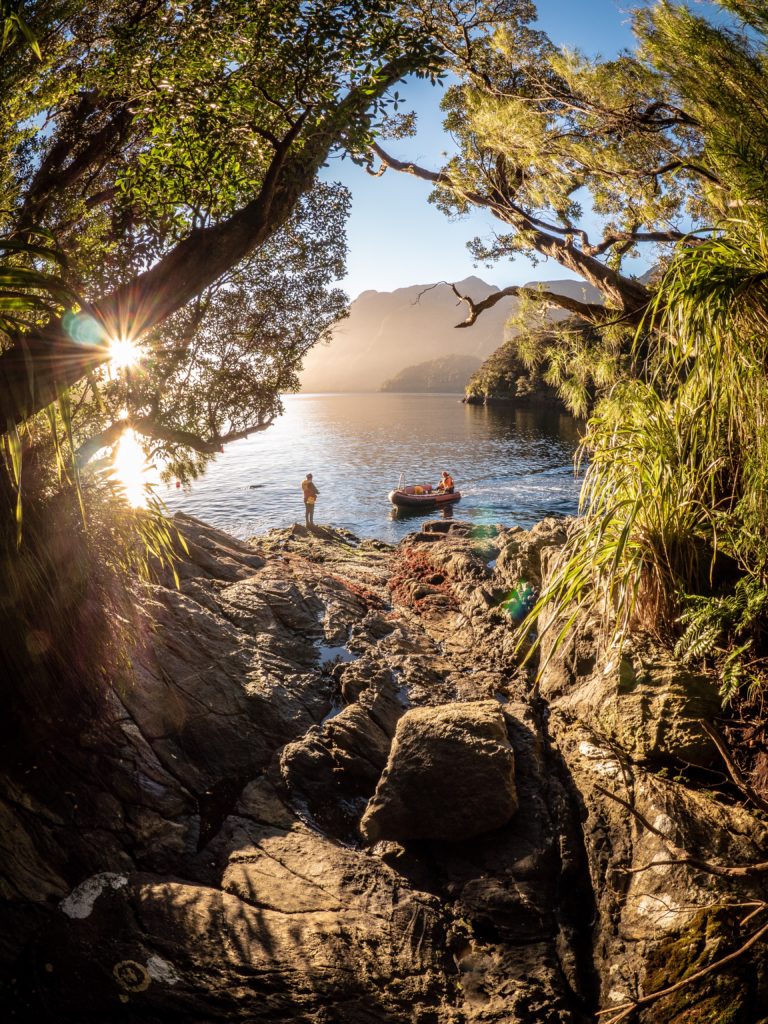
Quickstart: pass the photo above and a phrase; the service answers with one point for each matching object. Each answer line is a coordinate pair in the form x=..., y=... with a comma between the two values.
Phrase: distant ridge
x=447, y=375
x=388, y=332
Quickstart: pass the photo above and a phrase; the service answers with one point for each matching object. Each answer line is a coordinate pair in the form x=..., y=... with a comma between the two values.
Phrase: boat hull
x=401, y=499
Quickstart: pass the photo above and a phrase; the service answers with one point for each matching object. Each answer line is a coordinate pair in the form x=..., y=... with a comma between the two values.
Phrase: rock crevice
x=330, y=795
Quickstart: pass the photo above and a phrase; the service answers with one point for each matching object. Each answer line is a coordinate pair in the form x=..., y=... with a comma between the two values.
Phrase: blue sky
x=395, y=237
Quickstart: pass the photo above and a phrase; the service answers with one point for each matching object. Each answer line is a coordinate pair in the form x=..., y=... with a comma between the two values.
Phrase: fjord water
x=512, y=466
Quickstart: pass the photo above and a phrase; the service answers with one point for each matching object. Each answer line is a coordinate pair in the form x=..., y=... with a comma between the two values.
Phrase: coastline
x=236, y=834
x=358, y=445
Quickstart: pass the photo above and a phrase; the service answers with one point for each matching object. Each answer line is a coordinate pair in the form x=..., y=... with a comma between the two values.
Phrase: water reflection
x=502, y=417
x=511, y=465
x=402, y=513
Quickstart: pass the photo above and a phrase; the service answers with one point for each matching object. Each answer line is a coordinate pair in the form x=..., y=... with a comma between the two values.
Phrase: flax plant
x=674, y=499
x=674, y=529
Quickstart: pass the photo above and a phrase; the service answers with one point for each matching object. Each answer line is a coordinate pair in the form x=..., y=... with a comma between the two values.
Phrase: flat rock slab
x=450, y=775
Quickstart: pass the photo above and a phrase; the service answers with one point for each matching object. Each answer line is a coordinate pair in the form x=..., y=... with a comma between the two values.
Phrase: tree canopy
x=674, y=535
x=160, y=144
x=215, y=369
x=582, y=160
x=165, y=156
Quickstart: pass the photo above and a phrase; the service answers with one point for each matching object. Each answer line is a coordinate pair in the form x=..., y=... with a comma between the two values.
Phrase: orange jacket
x=309, y=489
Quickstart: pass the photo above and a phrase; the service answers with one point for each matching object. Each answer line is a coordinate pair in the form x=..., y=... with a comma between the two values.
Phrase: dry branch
x=679, y=855
x=592, y=312
x=625, y=1009
x=733, y=769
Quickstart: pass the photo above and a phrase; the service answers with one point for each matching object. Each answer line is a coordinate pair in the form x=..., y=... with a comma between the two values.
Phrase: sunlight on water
x=511, y=466
x=131, y=471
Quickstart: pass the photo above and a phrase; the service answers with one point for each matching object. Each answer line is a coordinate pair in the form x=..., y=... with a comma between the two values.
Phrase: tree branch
x=149, y=427
x=681, y=856
x=630, y=237
x=628, y=295
x=677, y=116
x=187, y=439
x=53, y=178
x=733, y=769
x=46, y=174
x=44, y=361
x=592, y=312
x=624, y=1010
x=106, y=195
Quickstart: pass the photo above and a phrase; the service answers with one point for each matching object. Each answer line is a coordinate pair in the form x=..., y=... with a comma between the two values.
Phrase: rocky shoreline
x=330, y=794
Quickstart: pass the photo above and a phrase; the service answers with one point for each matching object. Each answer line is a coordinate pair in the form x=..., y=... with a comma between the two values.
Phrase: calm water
x=512, y=467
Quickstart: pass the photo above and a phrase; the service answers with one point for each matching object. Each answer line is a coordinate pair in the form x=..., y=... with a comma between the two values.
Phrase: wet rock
x=726, y=995
x=441, y=526
x=375, y=625
x=211, y=553
x=332, y=771
x=425, y=538
x=460, y=565
x=646, y=899
x=450, y=775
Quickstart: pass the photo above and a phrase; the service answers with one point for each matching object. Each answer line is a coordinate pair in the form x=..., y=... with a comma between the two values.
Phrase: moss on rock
x=723, y=997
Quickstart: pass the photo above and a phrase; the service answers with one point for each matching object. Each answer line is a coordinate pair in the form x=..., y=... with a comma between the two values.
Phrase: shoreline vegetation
x=490, y=773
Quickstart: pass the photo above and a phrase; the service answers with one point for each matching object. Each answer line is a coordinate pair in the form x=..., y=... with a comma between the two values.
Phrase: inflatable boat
x=417, y=496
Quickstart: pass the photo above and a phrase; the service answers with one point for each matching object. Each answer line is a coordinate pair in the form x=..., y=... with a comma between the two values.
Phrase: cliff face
x=388, y=332
x=331, y=795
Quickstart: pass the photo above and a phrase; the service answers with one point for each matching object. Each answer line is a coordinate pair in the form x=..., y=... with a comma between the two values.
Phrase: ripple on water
x=512, y=466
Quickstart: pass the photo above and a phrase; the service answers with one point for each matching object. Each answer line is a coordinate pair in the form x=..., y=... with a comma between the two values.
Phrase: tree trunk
x=44, y=362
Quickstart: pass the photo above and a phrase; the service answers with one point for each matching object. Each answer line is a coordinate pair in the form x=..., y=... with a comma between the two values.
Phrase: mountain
x=447, y=374
x=387, y=332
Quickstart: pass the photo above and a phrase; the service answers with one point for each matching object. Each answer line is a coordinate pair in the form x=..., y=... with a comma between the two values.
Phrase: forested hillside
x=446, y=374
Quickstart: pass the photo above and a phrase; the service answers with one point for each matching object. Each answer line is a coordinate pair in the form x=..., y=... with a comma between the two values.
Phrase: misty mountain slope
x=448, y=374
x=389, y=332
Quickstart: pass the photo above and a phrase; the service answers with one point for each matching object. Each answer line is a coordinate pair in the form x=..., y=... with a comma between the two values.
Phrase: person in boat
x=446, y=483
x=310, y=495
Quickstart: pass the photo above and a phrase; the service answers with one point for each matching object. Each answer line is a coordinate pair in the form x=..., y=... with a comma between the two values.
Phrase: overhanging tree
x=164, y=142
x=674, y=534
x=551, y=143
x=218, y=366
x=178, y=138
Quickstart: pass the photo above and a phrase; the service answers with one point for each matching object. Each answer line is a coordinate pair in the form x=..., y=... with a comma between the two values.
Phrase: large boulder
x=657, y=919
x=297, y=923
x=450, y=775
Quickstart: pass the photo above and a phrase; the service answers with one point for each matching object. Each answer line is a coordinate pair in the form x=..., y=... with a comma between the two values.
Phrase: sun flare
x=131, y=471
x=124, y=353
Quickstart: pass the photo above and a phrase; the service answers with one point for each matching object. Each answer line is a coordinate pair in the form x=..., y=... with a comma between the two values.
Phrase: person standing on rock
x=310, y=494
